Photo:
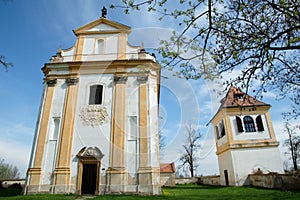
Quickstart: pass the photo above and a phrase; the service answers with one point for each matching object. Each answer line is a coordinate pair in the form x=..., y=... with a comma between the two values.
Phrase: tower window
x=217, y=132
x=249, y=124
x=223, y=133
x=220, y=130
x=259, y=123
x=96, y=93
x=239, y=124
x=239, y=96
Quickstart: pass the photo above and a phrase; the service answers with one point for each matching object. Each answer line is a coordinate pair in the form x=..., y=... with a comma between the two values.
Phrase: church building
x=97, y=129
x=245, y=138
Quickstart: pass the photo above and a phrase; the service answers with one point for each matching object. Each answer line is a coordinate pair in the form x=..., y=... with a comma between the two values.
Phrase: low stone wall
x=167, y=179
x=278, y=181
x=186, y=180
x=209, y=180
x=6, y=183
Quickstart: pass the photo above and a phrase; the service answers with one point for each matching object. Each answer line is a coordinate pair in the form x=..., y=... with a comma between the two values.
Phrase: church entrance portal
x=89, y=177
x=89, y=164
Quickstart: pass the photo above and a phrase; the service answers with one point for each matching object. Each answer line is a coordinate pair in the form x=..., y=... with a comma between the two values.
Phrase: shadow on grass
x=194, y=187
x=9, y=192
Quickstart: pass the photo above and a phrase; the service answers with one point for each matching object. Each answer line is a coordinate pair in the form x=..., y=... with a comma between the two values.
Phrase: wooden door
x=89, y=177
x=226, y=177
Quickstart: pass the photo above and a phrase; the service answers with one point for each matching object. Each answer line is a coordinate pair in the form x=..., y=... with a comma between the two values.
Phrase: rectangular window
x=100, y=46
x=132, y=135
x=217, y=132
x=96, y=94
x=54, y=128
x=222, y=129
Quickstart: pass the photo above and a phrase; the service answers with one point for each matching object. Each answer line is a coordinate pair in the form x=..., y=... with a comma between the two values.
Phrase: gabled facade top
x=102, y=26
x=101, y=40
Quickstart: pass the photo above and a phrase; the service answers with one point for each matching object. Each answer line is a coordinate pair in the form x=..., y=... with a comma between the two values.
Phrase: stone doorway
x=89, y=165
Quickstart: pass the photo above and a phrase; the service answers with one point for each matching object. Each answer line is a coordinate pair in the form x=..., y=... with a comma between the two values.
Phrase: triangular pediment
x=102, y=25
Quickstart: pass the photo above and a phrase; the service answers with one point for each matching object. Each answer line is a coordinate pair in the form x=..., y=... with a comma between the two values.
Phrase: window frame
x=259, y=123
x=239, y=124
x=94, y=102
x=249, y=125
x=96, y=46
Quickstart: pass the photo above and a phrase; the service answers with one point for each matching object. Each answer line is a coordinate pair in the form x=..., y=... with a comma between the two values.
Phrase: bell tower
x=245, y=138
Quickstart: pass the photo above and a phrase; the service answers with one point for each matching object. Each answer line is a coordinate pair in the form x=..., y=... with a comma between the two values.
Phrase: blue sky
x=32, y=31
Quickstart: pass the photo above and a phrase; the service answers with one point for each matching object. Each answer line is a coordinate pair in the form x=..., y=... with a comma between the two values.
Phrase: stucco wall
x=97, y=135
x=247, y=161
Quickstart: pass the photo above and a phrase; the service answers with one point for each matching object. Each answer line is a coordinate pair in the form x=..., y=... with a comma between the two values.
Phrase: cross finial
x=104, y=12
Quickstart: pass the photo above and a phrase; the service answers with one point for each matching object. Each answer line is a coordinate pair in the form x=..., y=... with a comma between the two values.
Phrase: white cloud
x=16, y=154
x=15, y=144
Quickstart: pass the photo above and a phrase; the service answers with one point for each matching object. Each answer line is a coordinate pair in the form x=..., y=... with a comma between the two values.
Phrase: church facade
x=245, y=139
x=97, y=129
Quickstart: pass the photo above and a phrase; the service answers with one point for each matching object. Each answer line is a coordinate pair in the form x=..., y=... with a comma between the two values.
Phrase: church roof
x=236, y=98
x=167, y=167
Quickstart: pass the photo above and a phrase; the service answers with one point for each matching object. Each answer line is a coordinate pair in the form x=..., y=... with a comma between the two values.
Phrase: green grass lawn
x=181, y=192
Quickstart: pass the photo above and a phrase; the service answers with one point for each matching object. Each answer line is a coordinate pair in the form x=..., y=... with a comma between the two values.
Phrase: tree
x=189, y=157
x=257, y=39
x=8, y=171
x=293, y=143
x=2, y=58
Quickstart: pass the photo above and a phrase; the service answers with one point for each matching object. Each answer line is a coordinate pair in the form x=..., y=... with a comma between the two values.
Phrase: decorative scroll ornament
x=142, y=79
x=71, y=81
x=58, y=58
x=90, y=152
x=51, y=83
x=120, y=79
x=93, y=115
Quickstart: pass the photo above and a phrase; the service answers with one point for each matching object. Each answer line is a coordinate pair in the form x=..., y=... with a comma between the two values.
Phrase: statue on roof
x=104, y=12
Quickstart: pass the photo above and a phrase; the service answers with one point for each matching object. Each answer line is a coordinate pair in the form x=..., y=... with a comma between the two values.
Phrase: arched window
x=96, y=92
x=239, y=124
x=249, y=124
x=259, y=123
x=100, y=46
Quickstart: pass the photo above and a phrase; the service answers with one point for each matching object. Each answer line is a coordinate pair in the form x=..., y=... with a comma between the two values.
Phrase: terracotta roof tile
x=236, y=98
x=167, y=167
